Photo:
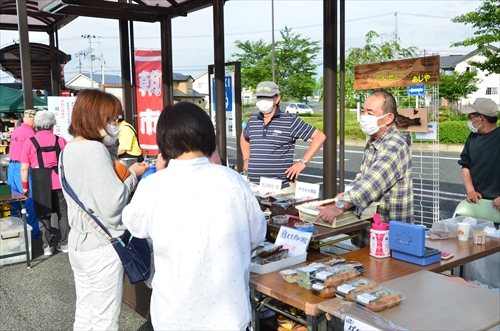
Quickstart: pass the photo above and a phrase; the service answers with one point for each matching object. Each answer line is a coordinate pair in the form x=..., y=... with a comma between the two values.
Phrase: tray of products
x=379, y=299
x=308, y=212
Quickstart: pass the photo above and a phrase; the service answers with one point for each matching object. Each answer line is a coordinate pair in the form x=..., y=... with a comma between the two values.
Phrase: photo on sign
x=411, y=119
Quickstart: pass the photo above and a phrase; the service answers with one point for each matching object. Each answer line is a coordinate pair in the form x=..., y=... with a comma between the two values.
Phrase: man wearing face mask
x=480, y=158
x=268, y=142
x=385, y=174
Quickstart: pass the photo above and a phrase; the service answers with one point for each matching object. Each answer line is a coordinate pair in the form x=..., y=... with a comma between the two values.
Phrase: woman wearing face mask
x=89, y=170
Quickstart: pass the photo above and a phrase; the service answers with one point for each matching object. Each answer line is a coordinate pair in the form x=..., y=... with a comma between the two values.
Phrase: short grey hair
x=44, y=120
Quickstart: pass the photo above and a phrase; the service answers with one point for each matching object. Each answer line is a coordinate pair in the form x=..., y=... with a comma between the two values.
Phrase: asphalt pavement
x=43, y=297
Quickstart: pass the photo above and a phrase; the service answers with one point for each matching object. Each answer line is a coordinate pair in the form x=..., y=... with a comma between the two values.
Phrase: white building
x=488, y=87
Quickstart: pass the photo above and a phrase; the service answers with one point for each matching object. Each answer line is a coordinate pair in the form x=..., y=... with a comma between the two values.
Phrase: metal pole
x=25, y=54
x=342, y=97
x=330, y=98
x=220, y=102
x=272, y=31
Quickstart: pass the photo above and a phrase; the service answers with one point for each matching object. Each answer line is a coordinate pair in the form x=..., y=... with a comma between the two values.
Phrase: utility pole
x=272, y=31
x=102, y=69
x=396, y=33
x=89, y=38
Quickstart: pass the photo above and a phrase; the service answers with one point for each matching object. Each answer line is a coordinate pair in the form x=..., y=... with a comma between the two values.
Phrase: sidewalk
x=43, y=297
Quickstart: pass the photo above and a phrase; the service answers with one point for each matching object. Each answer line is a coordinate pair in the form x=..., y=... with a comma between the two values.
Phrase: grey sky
x=425, y=24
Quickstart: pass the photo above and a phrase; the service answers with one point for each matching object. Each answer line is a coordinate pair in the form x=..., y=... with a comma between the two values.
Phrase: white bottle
x=379, y=238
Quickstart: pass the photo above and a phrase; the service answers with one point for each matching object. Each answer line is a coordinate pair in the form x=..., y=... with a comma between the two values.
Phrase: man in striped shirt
x=385, y=174
x=268, y=142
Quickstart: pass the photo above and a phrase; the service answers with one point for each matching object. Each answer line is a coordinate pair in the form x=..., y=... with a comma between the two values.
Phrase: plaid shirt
x=385, y=176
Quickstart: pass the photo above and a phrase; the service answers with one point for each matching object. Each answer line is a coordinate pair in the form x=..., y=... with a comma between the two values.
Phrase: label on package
x=345, y=288
x=322, y=275
x=288, y=272
x=365, y=298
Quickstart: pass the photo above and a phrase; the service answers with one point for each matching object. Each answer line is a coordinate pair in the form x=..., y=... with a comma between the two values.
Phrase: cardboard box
x=5, y=189
x=12, y=240
x=278, y=265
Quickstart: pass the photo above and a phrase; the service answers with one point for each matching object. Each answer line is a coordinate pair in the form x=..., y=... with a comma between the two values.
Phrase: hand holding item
x=139, y=168
x=496, y=203
x=293, y=172
x=329, y=214
x=473, y=196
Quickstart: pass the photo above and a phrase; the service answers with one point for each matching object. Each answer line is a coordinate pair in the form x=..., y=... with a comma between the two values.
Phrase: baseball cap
x=267, y=89
x=30, y=113
x=483, y=106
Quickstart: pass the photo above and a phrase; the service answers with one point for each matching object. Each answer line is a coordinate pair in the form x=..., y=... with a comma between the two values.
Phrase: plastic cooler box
x=12, y=240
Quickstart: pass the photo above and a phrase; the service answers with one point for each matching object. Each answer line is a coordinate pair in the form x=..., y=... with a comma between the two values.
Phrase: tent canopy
x=12, y=101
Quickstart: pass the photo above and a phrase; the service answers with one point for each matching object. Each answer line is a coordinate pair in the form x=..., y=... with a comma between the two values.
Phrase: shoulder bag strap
x=135, y=132
x=91, y=219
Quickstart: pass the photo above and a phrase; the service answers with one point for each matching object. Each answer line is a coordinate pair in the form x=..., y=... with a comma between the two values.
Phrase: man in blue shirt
x=268, y=142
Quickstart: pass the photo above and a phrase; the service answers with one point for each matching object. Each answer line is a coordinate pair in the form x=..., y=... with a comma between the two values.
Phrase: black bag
x=134, y=253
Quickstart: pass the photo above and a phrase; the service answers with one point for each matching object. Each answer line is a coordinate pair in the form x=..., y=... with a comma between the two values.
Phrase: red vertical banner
x=149, y=97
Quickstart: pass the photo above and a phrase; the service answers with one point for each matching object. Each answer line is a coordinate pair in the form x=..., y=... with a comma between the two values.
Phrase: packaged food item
x=269, y=254
x=305, y=275
x=323, y=291
x=289, y=275
x=356, y=265
x=336, y=259
x=349, y=290
x=380, y=298
x=336, y=275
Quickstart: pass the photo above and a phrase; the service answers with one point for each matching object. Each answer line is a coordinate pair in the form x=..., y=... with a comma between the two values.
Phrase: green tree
x=485, y=20
x=372, y=52
x=294, y=67
x=456, y=85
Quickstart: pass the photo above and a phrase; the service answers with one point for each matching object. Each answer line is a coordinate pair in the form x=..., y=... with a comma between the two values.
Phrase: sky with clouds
x=425, y=24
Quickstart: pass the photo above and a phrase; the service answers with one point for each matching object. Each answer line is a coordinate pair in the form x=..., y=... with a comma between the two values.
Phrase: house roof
x=108, y=79
x=180, y=77
x=451, y=61
x=180, y=94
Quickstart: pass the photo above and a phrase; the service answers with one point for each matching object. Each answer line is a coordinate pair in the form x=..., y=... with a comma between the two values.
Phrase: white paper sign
x=430, y=134
x=352, y=324
x=62, y=107
x=296, y=241
x=269, y=185
x=306, y=191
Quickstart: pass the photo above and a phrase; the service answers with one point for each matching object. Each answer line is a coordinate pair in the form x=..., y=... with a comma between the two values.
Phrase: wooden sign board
x=412, y=119
x=417, y=71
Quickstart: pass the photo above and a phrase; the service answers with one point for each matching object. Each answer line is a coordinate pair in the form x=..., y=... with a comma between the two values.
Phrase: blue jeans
x=14, y=180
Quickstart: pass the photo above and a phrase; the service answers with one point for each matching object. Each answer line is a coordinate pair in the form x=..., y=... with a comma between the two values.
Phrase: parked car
x=298, y=108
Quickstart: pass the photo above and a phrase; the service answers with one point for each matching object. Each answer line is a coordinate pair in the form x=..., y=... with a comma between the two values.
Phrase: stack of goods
x=338, y=277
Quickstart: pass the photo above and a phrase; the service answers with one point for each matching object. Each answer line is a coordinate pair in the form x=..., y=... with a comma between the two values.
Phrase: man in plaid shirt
x=385, y=174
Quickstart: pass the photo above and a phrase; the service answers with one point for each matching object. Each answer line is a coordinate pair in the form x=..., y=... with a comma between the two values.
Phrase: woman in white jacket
x=203, y=220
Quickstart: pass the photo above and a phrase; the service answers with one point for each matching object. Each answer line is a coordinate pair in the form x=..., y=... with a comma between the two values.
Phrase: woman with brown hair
x=89, y=171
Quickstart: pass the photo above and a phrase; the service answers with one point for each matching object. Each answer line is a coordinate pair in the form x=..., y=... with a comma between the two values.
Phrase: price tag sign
x=306, y=191
x=269, y=185
x=296, y=241
x=352, y=324
x=430, y=134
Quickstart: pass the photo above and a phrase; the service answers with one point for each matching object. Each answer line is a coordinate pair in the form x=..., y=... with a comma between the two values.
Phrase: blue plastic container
x=151, y=170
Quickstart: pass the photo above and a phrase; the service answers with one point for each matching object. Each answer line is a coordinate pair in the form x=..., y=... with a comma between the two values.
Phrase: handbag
x=134, y=253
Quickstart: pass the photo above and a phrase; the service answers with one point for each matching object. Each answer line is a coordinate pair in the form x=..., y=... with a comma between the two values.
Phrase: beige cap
x=483, y=106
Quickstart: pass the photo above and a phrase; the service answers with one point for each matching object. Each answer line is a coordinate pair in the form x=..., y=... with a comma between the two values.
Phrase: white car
x=298, y=108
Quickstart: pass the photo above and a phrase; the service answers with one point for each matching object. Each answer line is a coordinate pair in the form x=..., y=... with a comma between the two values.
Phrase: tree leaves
x=486, y=21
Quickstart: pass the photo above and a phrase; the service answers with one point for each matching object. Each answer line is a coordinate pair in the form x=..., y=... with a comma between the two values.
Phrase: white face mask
x=471, y=127
x=113, y=130
x=368, y=124
x=265, y=105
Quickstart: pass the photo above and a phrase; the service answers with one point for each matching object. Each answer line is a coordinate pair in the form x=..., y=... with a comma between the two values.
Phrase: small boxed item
x=349, y=290
x=309, y=211
x=323, y=291
x=289, y=275
x=379, y=299
x=336, y=275
x=407, y=243
x=12, y=240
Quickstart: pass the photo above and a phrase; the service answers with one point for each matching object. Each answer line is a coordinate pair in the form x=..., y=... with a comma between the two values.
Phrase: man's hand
x=328, y=214
x=26, y=192
x=496, y=203
x=294, y=171
x=473, y=196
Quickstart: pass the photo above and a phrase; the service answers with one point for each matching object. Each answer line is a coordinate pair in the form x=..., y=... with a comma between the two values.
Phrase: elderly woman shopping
x=41, y=156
